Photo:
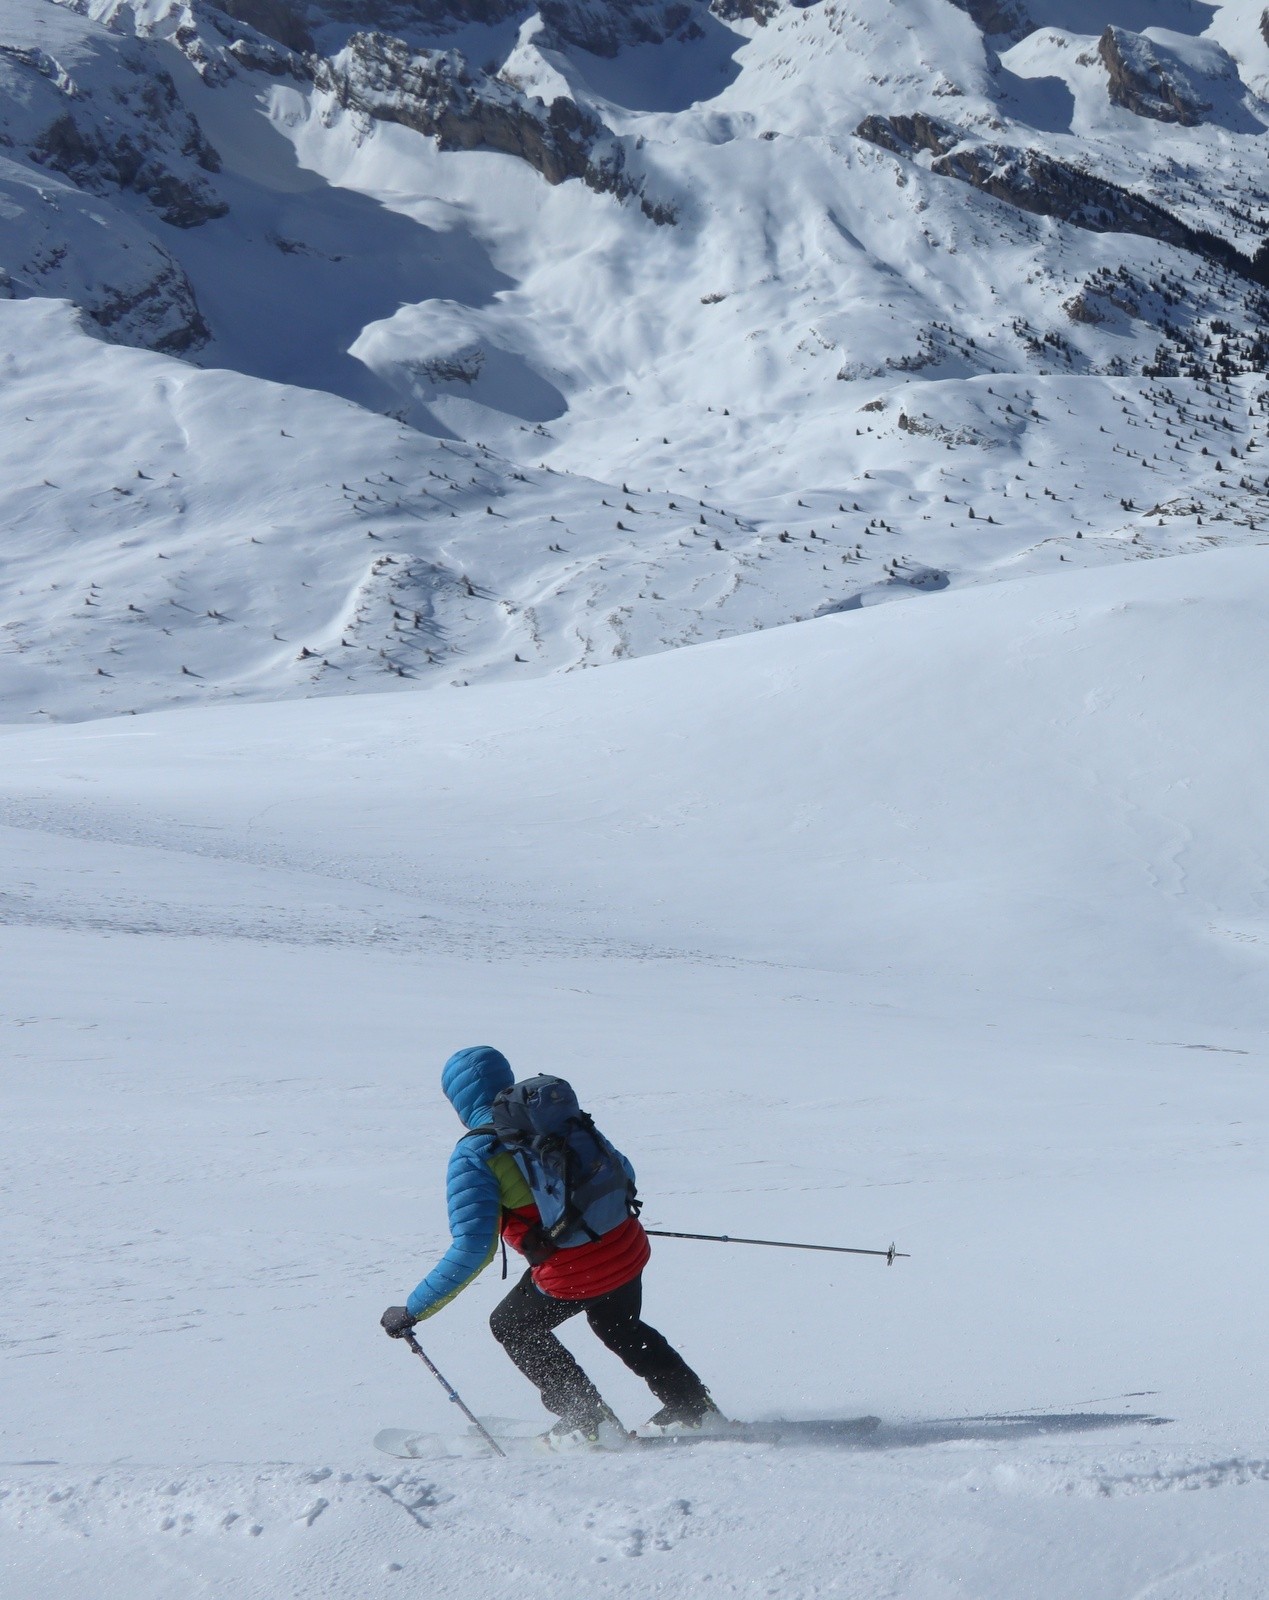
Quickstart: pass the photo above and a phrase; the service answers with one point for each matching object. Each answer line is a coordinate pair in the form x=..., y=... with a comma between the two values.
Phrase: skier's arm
x=475, y=1210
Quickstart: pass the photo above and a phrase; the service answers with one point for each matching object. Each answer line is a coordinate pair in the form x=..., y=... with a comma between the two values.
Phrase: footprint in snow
x=637, y=1535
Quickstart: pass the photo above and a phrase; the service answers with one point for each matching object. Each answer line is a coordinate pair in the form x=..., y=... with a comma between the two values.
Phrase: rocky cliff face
x=438, y=94
x=1143, y=81
x=277, y=36
x=1040, y=183
x=217, y=37
x=908, y=135
x=85, y=115
x=105, y=133
x=128, y=130
x=158, y=313
x=759, y=11
x=126, y=284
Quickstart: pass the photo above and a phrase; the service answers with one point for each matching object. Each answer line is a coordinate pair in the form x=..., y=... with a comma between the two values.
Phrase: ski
x=410, y=1445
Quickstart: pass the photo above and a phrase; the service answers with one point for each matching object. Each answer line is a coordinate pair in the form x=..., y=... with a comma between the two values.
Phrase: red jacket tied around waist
x=583, y=1271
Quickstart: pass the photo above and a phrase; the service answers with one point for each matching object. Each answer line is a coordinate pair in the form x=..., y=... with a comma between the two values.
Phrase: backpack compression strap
x=573, y=1216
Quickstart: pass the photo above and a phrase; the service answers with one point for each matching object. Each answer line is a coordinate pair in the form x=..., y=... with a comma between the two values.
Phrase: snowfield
x=189, y=536
x=942, y=922
x=906, y=359
x=399, y=412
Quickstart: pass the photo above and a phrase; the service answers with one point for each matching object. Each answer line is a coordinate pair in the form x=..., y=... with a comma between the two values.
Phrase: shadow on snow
x=867, y=1433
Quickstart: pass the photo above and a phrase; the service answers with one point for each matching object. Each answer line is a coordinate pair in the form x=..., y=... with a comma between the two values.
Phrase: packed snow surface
x=942, y=922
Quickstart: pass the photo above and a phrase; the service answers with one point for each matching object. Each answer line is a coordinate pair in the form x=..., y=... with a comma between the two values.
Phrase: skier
x=489, y=1196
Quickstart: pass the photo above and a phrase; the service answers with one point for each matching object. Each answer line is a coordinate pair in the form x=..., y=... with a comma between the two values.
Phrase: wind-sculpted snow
x=233, y=538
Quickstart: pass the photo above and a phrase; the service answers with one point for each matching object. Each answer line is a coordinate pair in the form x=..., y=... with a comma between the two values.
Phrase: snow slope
x=528, y=338
x=942, y=922
x=210, y=535
x=837, y=375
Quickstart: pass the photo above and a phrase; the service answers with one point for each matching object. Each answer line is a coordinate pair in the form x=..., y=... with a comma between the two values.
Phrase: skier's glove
x=396, y=1322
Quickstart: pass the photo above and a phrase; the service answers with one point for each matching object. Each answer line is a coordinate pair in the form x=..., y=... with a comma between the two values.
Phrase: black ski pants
x=523, y=1322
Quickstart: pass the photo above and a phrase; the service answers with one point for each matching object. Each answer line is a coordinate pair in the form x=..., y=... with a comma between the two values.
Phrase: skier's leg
x=522, y=1324
x=616, y=1321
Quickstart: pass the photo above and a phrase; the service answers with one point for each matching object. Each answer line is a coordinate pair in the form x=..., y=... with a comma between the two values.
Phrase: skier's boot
x=597, y=1428
x=685, y=1416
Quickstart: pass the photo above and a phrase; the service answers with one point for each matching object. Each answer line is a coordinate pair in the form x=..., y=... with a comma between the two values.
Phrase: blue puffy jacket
x=481, y=1179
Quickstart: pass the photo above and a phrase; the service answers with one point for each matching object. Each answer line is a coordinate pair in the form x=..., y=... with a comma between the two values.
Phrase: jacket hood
x=471, y=1079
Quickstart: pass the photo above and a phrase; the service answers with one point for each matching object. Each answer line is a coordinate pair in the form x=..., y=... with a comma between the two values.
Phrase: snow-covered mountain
x=774, y=308
x=445, y=347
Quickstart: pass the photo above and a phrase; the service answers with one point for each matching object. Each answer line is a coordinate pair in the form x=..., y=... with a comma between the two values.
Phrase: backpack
x=580, y=1186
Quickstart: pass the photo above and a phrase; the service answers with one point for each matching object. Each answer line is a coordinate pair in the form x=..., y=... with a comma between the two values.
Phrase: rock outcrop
x=160, y=314
x=1048, y=187
x=908, y=135
x=600, y=26
x=759, y=11
x=280, y=36
x=438, y=94
x=97, y=159
x=129, y=131
x=126, y=284
x=215, y=36
x=1146, y=83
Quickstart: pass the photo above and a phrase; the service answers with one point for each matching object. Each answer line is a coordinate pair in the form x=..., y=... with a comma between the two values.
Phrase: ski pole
x=454, y=1395
x=891, y=1255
